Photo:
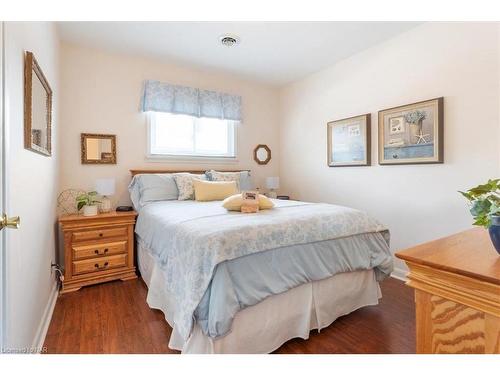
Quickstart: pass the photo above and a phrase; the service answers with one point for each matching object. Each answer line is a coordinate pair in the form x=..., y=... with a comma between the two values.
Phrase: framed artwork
x=98, y=148
x=349, y=141
x=37, y=108
x=411, y=134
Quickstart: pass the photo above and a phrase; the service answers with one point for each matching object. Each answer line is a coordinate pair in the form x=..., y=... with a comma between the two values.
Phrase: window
x=187, y=136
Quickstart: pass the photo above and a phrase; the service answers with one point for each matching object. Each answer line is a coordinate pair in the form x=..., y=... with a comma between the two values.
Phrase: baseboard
x=46, y=318
x=400, y=274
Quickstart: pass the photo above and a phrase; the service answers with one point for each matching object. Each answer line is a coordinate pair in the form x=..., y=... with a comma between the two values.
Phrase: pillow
x=213, y=190
x=265, y=203
x=224, y=176
x=145, y=188
x=233, y=203
x=184, y=182
x=157, y=187
x=246, y=182
x=135, y=195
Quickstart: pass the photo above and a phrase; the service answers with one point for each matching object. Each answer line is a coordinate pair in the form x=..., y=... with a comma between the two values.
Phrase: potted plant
x=485, y=208
x=88, y=202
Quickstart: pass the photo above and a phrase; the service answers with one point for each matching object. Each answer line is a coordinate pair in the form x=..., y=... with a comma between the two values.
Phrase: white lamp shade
x=272, y=182
x=105, y=186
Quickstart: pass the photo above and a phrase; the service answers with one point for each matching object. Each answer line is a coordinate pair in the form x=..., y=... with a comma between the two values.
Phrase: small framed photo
x=250, y=195
x=411, y=134
x=250, y=202
x=349, y=141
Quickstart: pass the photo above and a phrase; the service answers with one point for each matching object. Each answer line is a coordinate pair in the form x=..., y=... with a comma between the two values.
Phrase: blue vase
x=494, y=230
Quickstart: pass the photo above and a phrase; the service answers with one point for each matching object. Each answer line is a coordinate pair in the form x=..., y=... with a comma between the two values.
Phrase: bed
x=229, y=282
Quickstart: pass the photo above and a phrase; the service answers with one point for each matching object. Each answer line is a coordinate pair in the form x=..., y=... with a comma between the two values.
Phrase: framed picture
x=250, y=195
x=349, y=141
x=411, y=134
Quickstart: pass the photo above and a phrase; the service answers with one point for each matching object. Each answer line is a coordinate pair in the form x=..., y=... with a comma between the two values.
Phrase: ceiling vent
x=229, y=40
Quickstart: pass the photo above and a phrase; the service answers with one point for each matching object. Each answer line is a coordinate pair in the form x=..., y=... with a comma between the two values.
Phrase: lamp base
x=272, y=194
x=105, y=205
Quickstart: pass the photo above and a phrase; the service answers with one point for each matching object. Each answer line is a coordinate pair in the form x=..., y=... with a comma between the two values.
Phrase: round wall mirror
x=262, y=154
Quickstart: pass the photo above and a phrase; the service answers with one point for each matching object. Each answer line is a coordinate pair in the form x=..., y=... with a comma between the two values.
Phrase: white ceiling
x=271, y=52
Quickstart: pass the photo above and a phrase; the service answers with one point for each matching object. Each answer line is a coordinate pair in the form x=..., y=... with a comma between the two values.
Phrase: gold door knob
x=9, y=222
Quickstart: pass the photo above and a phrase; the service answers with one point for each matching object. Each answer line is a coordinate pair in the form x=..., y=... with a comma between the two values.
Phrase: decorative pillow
x=224, y=176
x=184, y=182
x=233, y=203
x=246, y=182
x=265, y=203
x=213, y=190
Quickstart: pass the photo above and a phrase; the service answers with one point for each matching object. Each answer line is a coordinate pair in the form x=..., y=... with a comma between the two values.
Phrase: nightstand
x=97, y=248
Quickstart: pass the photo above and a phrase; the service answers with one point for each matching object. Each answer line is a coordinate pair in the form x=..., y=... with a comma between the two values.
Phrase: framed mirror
x=37, y=108
x=98, y=148
x=262, y=154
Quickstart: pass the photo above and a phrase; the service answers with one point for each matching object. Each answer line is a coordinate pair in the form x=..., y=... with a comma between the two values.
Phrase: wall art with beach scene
x=411, y=134
x=349, y=141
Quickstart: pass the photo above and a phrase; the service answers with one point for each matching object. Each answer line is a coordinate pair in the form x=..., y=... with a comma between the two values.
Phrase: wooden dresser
x=97, y=248
x=457, y=293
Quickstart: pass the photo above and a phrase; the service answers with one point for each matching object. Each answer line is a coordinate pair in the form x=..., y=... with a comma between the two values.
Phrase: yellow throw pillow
x=233, y=203
x=213, y=190
x=265, y=203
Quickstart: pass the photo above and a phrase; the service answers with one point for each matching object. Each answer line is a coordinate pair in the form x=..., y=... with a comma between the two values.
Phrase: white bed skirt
x=264, y=327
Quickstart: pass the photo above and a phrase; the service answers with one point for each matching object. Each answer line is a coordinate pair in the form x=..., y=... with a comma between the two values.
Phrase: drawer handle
x=104, y=252
x=101, y=234
x=100, y=268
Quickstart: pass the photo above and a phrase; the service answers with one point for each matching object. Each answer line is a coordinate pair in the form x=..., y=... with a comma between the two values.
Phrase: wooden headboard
x=195, y=171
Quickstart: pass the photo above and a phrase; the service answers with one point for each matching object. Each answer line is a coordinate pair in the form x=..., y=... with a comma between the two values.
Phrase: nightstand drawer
x=99, y=234
x=98, y=250
x=99, y=264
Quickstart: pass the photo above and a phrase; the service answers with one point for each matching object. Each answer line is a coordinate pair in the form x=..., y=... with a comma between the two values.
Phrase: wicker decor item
x=66, y=202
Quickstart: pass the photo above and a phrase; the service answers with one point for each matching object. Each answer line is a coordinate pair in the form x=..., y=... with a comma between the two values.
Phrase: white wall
x=32, y=188
x=100, y=93
x=417, y=202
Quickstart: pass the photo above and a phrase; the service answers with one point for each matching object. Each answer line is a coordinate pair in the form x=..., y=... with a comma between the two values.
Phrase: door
x=4, y=221
x=2, y=239
x=30, y=189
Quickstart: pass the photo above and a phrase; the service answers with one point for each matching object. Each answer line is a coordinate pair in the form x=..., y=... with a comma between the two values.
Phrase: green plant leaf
x=494, y=198
x=494, y=184
x=480, y=189
x=467, y=195
x=485, y=199
x=483, y=221
x=80, y=205
x=494, y=209
x=480, y=207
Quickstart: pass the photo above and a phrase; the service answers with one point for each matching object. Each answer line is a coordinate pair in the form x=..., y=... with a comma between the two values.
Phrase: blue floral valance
x=164, y=97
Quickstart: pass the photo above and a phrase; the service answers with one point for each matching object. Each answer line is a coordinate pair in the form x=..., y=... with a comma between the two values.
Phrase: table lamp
x=105, y=187
x=272, y=183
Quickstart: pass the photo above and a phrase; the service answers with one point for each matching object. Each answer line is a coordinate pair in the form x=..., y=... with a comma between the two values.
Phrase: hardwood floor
x=115, y=318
